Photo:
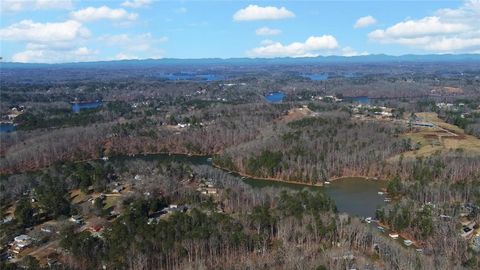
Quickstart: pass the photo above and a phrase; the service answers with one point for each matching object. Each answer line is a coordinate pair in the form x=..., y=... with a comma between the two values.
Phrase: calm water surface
x=353, y=195
x=7, y=127
x=78, y=106
x=275, y=97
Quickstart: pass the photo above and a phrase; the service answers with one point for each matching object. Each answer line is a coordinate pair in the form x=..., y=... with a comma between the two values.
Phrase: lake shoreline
x=279, y=180
x=266, y=179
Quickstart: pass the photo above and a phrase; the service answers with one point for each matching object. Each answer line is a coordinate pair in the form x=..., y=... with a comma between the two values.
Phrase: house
x=393, y=235
x=422, y=124
x=407, y=242
x=443, y=105
x=78, y=219
x=20, y=243
x=209, y=184
x=6, y=220
x=117, y=189
x=209, y=190
x=467, y=230
x=175, y=208
x=155, y=217
x=47, y=229
x=15, y=111
x=22, y=239
x=386, y=114
x=95, y=228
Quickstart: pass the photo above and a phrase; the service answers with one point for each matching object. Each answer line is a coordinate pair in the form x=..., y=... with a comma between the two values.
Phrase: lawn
x=78, y=196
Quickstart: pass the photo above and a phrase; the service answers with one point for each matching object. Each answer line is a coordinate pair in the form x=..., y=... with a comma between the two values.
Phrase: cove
x=356, y=196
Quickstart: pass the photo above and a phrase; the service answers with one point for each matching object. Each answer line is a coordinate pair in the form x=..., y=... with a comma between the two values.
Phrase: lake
x=275, y=97
x=353, y=195
x=316, y=76
x=356, y=195
x=78, y=106
x=6, y=127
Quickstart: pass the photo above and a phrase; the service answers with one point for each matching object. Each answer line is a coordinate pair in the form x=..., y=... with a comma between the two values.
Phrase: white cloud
x=124, y=56
x=83, y=51
x=348, y=51
x=313, y=46
x=265, y=31
x=49, y=42
x=28, y=30
x=136, y=3
x=145, y=42
x=448, y=30
x=103, y=12
x=20, y=5
x=54, y=56
x=418, y=28
x=132, y=46
x=28, y=56
x=254, y=12
x=365, y=21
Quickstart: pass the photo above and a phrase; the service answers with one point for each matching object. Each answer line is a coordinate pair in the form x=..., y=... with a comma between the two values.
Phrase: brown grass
x=443, y=138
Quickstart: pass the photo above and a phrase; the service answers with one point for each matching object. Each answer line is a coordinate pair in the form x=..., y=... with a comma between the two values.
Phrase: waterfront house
x=393, y=235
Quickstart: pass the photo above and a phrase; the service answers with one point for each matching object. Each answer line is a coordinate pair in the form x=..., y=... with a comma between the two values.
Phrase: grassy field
x=77, y=196
x=444, y=137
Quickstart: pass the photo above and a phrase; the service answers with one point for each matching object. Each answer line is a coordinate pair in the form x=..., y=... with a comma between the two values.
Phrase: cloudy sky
x=55, y=31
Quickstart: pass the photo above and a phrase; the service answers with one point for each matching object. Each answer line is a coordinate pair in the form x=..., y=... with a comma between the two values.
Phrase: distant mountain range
x=374, y=58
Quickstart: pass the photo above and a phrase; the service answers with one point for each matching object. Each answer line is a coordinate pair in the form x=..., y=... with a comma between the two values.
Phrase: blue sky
x=69, y=31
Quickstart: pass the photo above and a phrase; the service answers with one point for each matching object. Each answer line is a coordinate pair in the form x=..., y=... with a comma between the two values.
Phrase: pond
x=6, y=127
x=78, y=106
x=275, y=97
x=353, y=195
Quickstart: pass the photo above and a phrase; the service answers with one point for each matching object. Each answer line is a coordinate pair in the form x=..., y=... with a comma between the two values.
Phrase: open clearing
x=441, y=138
x=297, y=114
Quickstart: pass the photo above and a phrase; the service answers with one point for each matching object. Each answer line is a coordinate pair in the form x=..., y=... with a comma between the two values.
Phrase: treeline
x=222, y=126
x=312, y=150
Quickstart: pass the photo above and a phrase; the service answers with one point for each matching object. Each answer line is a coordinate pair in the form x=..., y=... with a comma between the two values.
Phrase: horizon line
x=243, y=58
